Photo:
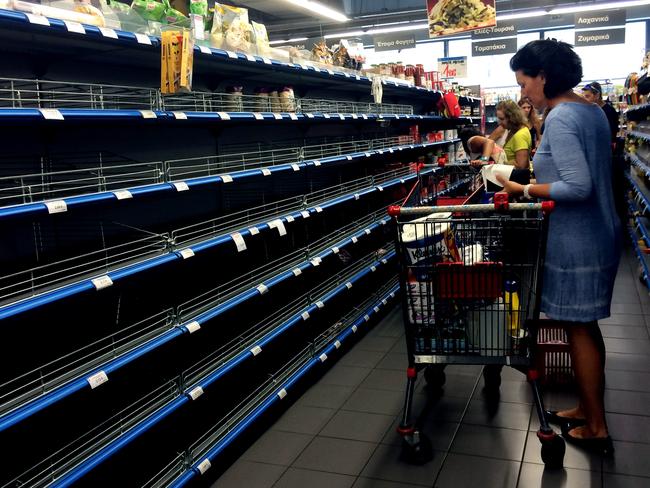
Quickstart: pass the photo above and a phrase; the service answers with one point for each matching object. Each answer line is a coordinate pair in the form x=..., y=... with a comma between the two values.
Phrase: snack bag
x=176, y=18
x=150, y=9
x=199, y=7
x=260, y=38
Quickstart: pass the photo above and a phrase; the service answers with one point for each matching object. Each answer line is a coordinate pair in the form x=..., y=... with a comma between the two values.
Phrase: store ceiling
x=285, y=20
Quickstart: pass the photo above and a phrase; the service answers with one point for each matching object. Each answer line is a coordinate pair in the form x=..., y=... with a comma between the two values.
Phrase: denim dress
x=583, y=246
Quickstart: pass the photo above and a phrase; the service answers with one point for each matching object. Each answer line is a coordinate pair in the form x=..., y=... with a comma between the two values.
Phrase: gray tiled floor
x=341, y=433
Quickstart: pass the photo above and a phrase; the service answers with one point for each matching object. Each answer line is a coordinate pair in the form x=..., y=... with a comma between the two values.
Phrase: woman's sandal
x=554, y=418
x=598, y=445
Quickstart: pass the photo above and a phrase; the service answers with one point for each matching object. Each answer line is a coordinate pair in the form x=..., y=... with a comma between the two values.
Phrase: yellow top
x=520, y=140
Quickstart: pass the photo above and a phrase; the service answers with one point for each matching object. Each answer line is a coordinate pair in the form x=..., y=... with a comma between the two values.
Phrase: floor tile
x=629, y=428
x=300, y=478
x=623, y=481
x=361, y=358
x=335, y=456
x=631, y=402
x=498, y=414
x=634, y=307
x=276, y=447
x=250, y=475
x=629, y=458
x=624, y=332
x=574, y=458
x=304, y=419
x=399, y=347
x=386, y=464
x=510, y=391
x=489, y=442
x=372, y=483
x=467, y=369
x=628, y=362
x=377, y=344
x=442, y=409
x=328, y=396
x=375, y=401
x=394, y=361
x=623, y=319
x=628, y=346
x=486, y=473
x=345, y=375
x=536, y=476
x=358, y=426
x=386, y=380
x=627, y=380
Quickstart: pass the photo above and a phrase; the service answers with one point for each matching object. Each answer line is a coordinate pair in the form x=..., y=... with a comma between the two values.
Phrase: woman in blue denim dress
x=573, y=167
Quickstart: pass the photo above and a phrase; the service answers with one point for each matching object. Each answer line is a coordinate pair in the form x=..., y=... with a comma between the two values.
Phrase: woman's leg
x=588, y=360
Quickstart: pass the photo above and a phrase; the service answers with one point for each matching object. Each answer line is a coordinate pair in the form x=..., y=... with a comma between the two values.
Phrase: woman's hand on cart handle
x=511, y=187
x=477, y=163
x=533, y=190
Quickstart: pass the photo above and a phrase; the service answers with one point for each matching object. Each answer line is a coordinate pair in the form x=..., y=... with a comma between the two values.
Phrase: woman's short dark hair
x=465, y=135
x=561, y=66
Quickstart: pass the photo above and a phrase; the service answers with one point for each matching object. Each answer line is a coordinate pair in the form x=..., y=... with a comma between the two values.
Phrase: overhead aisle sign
x=448, y=17
x=494, y=46
x=588, y=30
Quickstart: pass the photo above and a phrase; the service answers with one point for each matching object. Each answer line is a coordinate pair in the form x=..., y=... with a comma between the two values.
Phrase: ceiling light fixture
x=320, y=9
x=601, y=6
x=295, y=39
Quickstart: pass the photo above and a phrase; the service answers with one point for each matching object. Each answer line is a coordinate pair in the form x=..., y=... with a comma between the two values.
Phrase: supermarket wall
x=599, y=62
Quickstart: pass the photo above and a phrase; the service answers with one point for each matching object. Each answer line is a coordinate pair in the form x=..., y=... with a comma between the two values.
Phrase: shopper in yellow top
x=519, y=142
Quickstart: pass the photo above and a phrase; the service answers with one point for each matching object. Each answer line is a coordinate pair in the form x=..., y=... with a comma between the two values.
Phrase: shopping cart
x=470, y=276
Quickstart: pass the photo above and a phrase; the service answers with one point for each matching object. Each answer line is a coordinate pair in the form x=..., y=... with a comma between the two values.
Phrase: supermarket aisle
x=341, y=433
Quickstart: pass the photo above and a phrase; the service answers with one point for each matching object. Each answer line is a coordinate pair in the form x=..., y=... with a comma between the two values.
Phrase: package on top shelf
x=74, y=11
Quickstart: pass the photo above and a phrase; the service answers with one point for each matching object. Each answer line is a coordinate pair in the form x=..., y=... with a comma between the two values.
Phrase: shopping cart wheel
x=435, y=376
x=492, y=377
x=417, y=449
x=553, y=450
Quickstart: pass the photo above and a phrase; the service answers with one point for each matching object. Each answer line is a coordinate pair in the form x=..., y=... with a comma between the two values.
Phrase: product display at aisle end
x=180, y=262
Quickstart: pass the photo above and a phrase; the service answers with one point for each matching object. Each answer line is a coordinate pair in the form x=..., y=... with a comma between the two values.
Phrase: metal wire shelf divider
x=84, y=446
x=58, y=463
x=54, y=373
x=25, y=93
x=112, y=175
x=83, y=360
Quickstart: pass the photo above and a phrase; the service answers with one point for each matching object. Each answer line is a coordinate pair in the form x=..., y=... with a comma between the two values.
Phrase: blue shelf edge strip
x=30, y=303
x=280, y=392
x=38, y=404
x=80, y=200
x=114, y=446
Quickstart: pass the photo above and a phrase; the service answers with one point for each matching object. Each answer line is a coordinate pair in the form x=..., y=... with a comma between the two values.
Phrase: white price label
x=356, y=196
x=354, y=328
x=305, y=315
x=384, y=261
x=37, y=19
x=309, y=116
x=329, y=71
x=323, y=357
x=181, y=186
x=102, y=282
x=354, y=240
x=195, y=393
x=367, y=231
x=266, y=172
x=251, y=58
x=122, y=194
x=56, y=206
x=293, y=116
x=278, y=224
x=380, y=188
x=204, y=466
x=355, y=116
x=51, y=113
x=192, y=327
x=384, y=301
x=187, y=253
x=143, y=39
x=97, y=379
x=367, y=154
x=296, y=271
x=366, y=318
x=402, y=181
x=376, y=309
x=295, y=167
x=364, y=116
x=327, y=116
x=305, y=214
x=239, y=241
x=223, y=115
x=256, y=350
x=205, y=49
x=335, y=250
x=147, y=114
x=226, y=178
x=348, y=285
x=266, y=60
x=282, y=393
x=277, y=116
x=317, y=163
x=290, y=219
x=254, y=231
x=258, y=116
x=315, y=262
x=108, y=32
x=320, y=304
x=381, y=151
x=341, y=116
x=383, y=221
x=262, y=288
x=357, y=77
x=232, y=55
x=318, y=209
x=75, y=27
x=392, y=294
x=373, y=268
x=349, y=158
x=337, y=344
x=180, y=115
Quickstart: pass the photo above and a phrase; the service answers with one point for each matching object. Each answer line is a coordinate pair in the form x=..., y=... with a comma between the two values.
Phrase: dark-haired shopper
x=573, y=167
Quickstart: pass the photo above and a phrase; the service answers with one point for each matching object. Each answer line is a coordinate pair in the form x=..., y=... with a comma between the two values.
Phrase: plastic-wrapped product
x=287, y=99
x=321, y=53
x=260, y=38
x=238, y=36
x=149, y=9
x=216, y=31
x=91, y=16
x=199, y=7
x=119, y=6
x=176, y=18
x=86, y=8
